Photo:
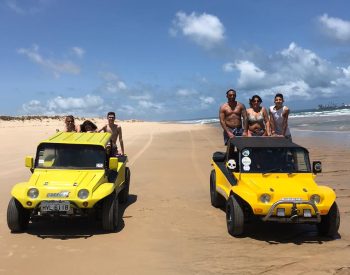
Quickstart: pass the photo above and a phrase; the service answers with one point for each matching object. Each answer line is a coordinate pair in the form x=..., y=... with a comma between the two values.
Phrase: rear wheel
x=329, y=224
x=215, y=198
x=234, y=217
x=17, y=216
x=110, y=213
x=124, y=194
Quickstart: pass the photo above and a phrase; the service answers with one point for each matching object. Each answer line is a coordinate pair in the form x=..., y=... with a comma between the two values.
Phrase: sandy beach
x=169, y=225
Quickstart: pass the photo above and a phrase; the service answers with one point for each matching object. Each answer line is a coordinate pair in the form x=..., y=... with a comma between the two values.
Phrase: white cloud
x=87, y=105
x=146, y=104
x=140, y=97
x=186, y=92
x=205, y=29
x=26, y=7
x=206, y=101
x=33, y=107
x=294, y=71
x=127, y=110
x=56, y=67
x=249, y=73
x=112, y=83
x=228, y=67
x=143, y=108
x=70, y=103
x=79, y=52
x=335, y=28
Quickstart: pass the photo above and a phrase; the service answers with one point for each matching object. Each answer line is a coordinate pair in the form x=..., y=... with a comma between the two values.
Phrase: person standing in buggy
x=279, y=118
x=116, y=132
x=257, y=117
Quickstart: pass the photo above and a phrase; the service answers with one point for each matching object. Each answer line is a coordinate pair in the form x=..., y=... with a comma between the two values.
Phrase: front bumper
x=295, y=217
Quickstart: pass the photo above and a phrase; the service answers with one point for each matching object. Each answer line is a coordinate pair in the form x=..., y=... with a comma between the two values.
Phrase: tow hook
x=294, y=212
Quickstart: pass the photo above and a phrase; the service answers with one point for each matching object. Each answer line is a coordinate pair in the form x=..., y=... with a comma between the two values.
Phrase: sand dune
x=168, y=225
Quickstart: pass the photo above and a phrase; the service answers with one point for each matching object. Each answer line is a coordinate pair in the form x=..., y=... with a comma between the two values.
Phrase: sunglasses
x=70, y=121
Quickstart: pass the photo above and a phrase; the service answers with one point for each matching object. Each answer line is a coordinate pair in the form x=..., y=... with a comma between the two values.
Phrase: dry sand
x=169, y=226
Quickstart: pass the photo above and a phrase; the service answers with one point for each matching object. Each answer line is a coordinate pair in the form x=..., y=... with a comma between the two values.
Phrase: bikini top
x=254, y=119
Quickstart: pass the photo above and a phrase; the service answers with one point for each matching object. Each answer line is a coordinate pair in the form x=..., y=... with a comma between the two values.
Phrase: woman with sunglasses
x=70, y=126
x=257, y=117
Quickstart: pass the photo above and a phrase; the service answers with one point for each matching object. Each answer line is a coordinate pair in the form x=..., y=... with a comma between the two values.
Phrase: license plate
x=63, y=206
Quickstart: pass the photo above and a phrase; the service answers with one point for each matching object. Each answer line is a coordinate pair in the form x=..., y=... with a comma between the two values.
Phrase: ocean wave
x=340, y=112
x=200, y=121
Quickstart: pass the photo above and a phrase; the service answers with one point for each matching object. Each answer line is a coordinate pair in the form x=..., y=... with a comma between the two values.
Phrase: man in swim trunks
x=116, y=132
x=231, y=115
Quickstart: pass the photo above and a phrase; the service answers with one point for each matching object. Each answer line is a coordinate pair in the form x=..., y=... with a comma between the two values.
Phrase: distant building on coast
x=332, y=106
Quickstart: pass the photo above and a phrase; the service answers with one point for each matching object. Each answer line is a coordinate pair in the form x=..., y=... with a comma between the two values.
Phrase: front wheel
x=329, y=224
x=17, y=216
x=110, y=213
x=234, y=217
x=124, y=194
x=215, y=198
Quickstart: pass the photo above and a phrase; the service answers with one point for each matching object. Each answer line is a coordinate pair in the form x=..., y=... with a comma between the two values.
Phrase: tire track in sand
x=202, y=178
x=143, y=149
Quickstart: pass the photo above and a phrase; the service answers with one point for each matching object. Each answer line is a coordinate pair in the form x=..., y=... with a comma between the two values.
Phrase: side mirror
x=28, y=161
x=113, y=163
x=316, y=167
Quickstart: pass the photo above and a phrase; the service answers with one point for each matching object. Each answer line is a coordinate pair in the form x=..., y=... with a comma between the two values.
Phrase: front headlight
x=33, y=193
x=315, y=198
x=265, y=198
x=83, y=194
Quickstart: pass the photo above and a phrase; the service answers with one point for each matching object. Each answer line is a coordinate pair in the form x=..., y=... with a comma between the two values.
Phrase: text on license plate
x=55, y=206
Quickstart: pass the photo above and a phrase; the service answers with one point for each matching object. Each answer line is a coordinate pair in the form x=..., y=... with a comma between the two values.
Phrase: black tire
x=124, y=194
x=330, y=223
x=215, y=198
x=110, y=217
x=17, y=216
x=234, y=217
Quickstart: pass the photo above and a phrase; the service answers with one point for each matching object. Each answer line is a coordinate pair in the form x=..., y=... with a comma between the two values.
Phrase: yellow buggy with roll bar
x=271, y=178
x=73, y=175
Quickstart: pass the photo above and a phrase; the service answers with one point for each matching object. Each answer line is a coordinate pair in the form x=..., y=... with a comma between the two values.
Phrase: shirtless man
x=231, y=114
x=116, y=132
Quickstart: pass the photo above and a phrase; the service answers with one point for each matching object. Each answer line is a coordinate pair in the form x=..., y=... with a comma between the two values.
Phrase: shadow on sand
x=74, y=228
x=279, y=233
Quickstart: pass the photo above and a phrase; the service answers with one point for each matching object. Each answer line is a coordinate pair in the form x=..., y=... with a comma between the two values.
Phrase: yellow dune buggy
x=271, y=178
x=73, y=175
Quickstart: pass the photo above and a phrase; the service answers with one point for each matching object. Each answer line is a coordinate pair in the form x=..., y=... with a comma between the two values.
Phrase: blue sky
x=165, y=60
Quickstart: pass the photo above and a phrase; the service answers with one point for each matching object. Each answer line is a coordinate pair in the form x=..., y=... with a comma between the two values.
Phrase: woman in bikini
x=257, y=117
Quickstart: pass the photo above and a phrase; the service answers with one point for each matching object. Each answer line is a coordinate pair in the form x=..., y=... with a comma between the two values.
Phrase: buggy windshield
x=275, y=160
x=70, y=156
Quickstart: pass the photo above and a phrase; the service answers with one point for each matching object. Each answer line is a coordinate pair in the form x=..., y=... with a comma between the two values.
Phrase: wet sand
x=168, y=225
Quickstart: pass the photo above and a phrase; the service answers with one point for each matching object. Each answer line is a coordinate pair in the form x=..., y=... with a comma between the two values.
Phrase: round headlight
x=315, y=198
x=265, y=198
x=33, y=193
x=83, y=194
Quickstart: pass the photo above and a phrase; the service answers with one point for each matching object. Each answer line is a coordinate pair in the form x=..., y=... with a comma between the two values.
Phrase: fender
x=19, y=192
x=102, y=191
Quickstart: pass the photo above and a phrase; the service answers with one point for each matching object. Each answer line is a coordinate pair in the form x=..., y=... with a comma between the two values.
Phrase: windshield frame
x=286, y=167
x=101, y=154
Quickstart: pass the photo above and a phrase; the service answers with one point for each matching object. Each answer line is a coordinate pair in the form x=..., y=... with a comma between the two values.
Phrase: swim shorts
x=235, y=131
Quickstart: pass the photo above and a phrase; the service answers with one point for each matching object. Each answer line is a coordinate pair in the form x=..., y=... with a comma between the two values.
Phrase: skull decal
x=231, y=164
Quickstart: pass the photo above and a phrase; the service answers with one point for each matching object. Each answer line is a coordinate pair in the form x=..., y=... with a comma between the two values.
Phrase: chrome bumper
x=294, y=218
